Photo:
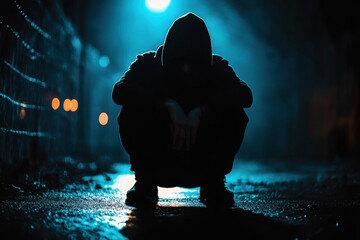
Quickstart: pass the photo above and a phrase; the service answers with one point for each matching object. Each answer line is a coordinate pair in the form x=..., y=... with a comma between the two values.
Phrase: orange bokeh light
x=22, y=110
x=74, y=105
x=67, y=104
x=103, y=118
x=55, y=103
x=22, y=113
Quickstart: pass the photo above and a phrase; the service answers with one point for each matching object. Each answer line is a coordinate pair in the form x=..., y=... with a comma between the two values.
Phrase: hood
x=187, y=42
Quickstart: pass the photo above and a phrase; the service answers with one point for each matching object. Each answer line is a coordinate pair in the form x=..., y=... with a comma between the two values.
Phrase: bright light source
x=55, y=103
x=74, y=105
x=23, y=104
x=104, y=61
x=67, y=105
x=103, y=118
x=157, y=5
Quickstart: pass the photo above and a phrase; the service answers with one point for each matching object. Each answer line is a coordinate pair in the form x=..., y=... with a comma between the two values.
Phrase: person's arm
x=236, y=94
x=128, y=91
x=233, y=92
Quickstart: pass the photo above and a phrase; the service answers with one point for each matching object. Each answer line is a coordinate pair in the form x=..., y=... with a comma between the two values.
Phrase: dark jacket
x=183, y=69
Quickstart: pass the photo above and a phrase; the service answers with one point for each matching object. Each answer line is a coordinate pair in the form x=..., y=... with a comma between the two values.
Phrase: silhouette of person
x=182, y=119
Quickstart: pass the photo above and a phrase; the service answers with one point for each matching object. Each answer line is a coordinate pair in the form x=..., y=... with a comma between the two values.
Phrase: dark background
x=300, y=58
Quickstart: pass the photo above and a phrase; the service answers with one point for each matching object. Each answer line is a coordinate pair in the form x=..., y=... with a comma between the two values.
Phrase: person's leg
x=220, y=137
x=146, y=136
x=143, y=134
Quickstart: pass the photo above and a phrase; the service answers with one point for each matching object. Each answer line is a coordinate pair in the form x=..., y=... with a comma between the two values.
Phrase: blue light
x=157, y=5
x=76, y=42
x=104, y=61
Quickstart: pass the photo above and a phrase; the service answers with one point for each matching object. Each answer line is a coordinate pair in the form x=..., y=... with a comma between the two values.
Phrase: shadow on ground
x=203, y=223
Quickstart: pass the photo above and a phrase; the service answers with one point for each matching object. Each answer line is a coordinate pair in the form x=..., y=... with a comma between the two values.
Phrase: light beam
x=157, y=5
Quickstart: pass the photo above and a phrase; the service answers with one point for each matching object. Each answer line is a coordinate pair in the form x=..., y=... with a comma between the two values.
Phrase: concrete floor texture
x=273, y=201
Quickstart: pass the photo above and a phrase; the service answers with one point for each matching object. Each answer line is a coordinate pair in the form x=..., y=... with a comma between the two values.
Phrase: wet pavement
x=273, y=201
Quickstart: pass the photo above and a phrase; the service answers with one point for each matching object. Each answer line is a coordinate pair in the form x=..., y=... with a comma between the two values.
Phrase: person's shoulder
x=149, y=58
x=222, y=66
x=146, y=56
x=143, y=60
x=219, y=61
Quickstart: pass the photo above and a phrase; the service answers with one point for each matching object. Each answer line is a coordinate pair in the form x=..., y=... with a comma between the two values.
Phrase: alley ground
x=273, y=201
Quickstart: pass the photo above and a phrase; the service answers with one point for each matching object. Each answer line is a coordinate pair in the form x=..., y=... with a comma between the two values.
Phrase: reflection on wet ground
x=272, y=200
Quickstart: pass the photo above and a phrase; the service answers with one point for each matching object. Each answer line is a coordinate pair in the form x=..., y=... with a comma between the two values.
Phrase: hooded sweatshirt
x=188, y=40
x=185, y=70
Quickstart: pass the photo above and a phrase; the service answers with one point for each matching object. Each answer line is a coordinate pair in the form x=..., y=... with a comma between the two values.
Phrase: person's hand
x=184, y=128
x=192, y=127
x=179, y=123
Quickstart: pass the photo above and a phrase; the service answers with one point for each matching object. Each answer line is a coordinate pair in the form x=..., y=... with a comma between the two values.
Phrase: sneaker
x=216, y=194
x=142, y=195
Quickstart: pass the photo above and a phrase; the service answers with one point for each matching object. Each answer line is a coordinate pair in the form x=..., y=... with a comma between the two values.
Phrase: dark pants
x=145, y=135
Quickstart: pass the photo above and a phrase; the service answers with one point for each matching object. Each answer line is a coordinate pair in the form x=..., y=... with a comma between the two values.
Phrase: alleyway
x=272, y=202
x=64, y=172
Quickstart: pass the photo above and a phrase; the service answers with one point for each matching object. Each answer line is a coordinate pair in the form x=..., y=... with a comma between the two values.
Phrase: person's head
x=187, y=47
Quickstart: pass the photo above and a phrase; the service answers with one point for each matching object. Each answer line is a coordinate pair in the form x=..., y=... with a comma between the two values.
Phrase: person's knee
x=225, y=121
x=143, y=131
x=223, y=132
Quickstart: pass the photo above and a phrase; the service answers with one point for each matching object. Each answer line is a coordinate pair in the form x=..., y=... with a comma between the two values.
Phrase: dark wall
x=311, y=102
x=40, y=60
x=45, y=55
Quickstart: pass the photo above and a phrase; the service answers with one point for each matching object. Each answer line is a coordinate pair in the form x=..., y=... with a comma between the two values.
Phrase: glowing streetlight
x=157, y=5
x=67, y=105
x=55, y=103
x=103, y=118
x=73, y=105
x=104, y=61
